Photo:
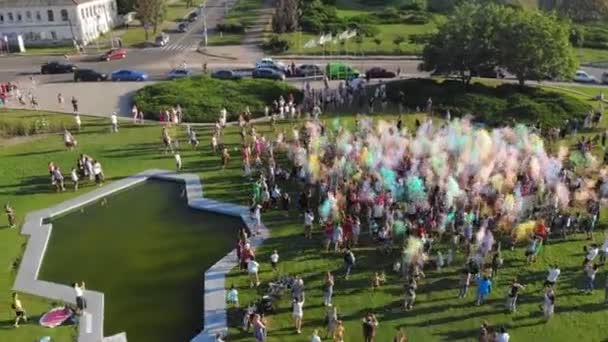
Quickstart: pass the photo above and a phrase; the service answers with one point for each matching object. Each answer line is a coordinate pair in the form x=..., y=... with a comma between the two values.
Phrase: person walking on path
x=512, y=295
x=81, y=302
x=20, y=314
x=370, y=323
x=10, y=215
x=74, y=105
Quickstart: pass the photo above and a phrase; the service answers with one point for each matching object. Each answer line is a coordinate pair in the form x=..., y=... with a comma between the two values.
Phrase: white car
x=584, y=77
x=269, y=63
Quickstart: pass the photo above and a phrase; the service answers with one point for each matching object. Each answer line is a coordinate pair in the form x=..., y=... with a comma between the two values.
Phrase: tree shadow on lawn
x=36, y=153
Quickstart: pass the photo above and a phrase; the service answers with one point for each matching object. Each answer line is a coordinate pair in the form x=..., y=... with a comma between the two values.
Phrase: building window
x=51, y=15
x=38, y=16
x=1, y=18
x=19, y=17
x=53, y=35
x=10, y=16
x=82, y=13
x=28, y=16
x=64, y=15
x=112, y=5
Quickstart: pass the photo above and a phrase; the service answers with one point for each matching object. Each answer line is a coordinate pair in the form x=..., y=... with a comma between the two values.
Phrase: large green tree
x=535, y=46
x=583, y=10
x=465, y=44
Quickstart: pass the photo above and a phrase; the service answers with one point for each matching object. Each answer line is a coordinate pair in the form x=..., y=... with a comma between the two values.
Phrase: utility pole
x=205, y=40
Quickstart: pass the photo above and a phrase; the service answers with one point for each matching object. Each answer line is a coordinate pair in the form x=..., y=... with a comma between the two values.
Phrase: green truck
x=340, y=71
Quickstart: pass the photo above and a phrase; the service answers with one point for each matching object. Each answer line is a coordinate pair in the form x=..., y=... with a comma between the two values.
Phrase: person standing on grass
x=232, y=297
x=337, y=238
x=548, y=303
x=591, y=270
x=10, y=215
x=114, y=121
x=74, y=174
x=81, y=302
x=370, y=323
x=315, y=333
x=308, y=220
x=349, y=261
x=332, y=321
x=225, y=158
x=400, y=335
x=58, y=177
x=410, y=294
x=465, y=281
x=98, y=172
x=298, y=313
x=78, y=121
x=20, y=314
x=502, y=335
x=328, y=288
x=274, y=260
x=178, y=161
x=554, y=272
x=512, y=295
x=339, y=332
x=484, y=287
x=604, y=251
x=259, y=328
x=252, y=270
x=285, y=203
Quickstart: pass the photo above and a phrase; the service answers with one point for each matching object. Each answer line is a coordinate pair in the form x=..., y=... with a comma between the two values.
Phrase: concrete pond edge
x=91, y=322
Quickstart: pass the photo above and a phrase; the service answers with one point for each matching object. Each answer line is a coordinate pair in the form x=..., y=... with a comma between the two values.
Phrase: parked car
x=583, y=77
x=268, y=73
x=128, y=75
x=179, y=73
x=89, y=75
x=161, y=40
x=378, y=72
x=57, y=68
x=605, y=78
x=183, y=26
x=307, y=70
x=226, y=75
x=339, y=71
x=274, y=67
x=114, y=54
x=192, y=17
x=269, y=62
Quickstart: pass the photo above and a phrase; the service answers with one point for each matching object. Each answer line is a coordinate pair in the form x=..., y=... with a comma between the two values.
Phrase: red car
x=114, y=54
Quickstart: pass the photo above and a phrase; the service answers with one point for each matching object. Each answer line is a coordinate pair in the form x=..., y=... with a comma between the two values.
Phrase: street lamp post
x=205, y=38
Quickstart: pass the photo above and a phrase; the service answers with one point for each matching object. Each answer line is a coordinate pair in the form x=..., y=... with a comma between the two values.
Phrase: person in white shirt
x=604, y=251
x=256, y=215
x=78, y=122
x=252, y=269
x=98, y=172
x=274, y=260
x=554, y=272
x=114, y=120
x=298, y=312
x=592, y=252
x=315, y=336
x=308, y=220
x=74, y=175
x=502, y=335
x=178, y=161
x=81, y=303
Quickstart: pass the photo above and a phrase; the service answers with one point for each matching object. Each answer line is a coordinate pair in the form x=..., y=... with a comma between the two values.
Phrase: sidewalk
x=349, y=57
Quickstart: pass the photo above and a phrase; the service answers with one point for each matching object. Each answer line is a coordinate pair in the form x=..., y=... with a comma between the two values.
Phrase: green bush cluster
x=592, y=36
x=231, y=26
x=275, y=44
x=202, y=98
x=502, y=105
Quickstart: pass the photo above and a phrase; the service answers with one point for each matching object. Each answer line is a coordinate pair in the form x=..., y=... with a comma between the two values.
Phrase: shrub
x=420, y=38
x=502, y=105
x=577, y=37
x=275, y=44
x=417, y=18
x=202, y=98
x=442, y=6
x=416, y=5
x=230, y=26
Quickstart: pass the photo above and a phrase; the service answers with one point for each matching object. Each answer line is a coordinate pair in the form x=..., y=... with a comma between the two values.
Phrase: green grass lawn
x=50, y=50
x=438, y=316
x=243, y=12
x=586, y=56
x=216, y=39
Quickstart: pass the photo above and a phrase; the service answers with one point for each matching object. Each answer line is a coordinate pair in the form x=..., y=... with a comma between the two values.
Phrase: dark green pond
x=147, y=251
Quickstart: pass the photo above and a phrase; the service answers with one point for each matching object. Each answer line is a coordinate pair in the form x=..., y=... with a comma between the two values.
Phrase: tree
x=398, y=40
x=583, y=10
x=377, y=41
x=145, y=14
x=125, y=6
x=285, y=17
x=535, y=46
x=159, y=14
x=465, y=44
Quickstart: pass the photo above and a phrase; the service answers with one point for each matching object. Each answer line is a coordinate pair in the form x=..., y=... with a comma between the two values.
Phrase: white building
x=45, y=22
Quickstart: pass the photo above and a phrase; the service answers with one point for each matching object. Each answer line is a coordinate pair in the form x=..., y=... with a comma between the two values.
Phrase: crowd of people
x=85, y=168
x=433, y=194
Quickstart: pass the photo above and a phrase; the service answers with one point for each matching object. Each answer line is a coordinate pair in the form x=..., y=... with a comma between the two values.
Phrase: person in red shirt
x=328, y=231
x=347, y=229
x=540, y=230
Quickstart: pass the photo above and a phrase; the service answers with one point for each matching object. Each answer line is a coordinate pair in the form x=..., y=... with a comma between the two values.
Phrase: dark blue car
x=128, y=75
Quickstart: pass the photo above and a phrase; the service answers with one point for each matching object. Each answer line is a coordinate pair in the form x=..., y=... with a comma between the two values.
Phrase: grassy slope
x=244, y=12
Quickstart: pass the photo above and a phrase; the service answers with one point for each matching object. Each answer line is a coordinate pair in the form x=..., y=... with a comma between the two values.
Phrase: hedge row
x=202, y=98
x=502, y=105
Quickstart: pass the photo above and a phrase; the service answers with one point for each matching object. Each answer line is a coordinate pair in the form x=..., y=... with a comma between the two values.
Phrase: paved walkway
x=91, y=322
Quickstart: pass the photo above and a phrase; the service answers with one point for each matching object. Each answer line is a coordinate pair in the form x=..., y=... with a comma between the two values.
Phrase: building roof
x=40, y=3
